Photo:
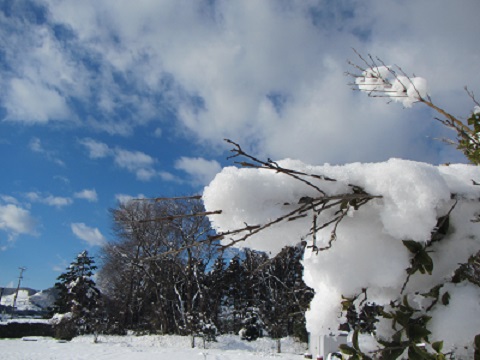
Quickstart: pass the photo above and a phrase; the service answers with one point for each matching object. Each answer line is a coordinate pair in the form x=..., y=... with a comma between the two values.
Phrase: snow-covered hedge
x=15, y=329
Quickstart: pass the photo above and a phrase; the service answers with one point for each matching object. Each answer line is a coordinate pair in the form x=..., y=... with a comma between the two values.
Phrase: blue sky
x=105, y=100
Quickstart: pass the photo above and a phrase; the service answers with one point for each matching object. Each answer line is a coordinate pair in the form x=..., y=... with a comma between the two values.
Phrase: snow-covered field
x=147, y=347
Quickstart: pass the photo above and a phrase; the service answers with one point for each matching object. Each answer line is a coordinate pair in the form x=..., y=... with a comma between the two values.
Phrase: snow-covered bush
x=370, y=259
x=384, y=240
x=63, y=326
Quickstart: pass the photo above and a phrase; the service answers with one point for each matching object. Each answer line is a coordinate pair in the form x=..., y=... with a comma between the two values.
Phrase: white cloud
x=36, y=146
x=92, y=236
x=201, y=171
x=16, y=220
x=9, y=199
x=136, y=162
x=267, y=74
x=33, y=196
x=57, y=201
x=166, y=176
x=124, y=198
x=32, y=102
x=42, y=74
x=96, y=149
x=87, y=194
x=50, y=200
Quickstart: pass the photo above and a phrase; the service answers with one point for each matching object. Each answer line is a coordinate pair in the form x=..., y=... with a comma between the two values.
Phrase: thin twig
x=181, y=216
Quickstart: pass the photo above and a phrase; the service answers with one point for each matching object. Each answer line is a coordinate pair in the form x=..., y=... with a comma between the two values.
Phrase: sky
x=102, y=101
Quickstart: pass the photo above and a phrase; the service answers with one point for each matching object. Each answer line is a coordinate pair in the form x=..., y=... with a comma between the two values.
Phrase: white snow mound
x=368, y=252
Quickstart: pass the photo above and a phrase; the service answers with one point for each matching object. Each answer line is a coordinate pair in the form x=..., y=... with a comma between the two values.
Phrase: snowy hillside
x=28, y=299
x=44, y=299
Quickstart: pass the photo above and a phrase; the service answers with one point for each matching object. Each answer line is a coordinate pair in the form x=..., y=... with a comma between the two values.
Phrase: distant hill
x=10, y=291
x=30, y=302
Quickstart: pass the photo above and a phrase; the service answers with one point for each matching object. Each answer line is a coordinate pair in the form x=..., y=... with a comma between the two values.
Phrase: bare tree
x=152, y=269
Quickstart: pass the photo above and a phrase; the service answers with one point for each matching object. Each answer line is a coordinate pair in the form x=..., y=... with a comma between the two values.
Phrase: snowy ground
x=146, y=347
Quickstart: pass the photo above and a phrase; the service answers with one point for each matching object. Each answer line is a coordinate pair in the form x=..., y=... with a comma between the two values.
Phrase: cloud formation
x=87, y=194
x=16, y=220
x=48, y=199
x=36, y=146
x=96, y=149
x=136, y=162
x=29, y=101
x=266, y=74
x=173, y=78
x=92, y=236
x=200, y=170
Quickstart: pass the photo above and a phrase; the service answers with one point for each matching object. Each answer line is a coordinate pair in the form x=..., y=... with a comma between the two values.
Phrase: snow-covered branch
x=390, y=81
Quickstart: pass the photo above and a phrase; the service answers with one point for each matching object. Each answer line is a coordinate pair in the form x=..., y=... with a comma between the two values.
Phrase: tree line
x=162, y=274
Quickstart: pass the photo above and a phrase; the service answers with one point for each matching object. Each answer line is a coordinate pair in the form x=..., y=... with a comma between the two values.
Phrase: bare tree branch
x=181, y=216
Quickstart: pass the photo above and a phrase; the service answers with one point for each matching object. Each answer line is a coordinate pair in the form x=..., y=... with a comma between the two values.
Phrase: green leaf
x=437, y=346
x=413, y=246
x=417, y=333
x=414, y=268
x=446, y=298
x=425, y=260
x=413, y=354
x=386, y=314
x=346, y=305
x=477, y=342
x=402, y=318
x=425, y=319
x=351, y=299
x=422, y=269
x=346, y=302
x=355, y=340
x=347, y=350
x=434, y=292
x=397, y=337
x=417, y=353
x=392, y=354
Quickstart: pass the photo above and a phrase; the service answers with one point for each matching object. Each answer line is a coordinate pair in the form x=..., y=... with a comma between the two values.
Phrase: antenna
x=20, y=277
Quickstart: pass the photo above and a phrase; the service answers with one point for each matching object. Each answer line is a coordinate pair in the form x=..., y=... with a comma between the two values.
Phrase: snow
x=23, y=302
x=131, y=347
x=368, y=252
x=383, y=81
x=455, y=323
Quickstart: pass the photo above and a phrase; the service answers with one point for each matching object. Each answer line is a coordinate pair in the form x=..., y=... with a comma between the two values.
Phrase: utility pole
x=20, y=277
